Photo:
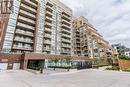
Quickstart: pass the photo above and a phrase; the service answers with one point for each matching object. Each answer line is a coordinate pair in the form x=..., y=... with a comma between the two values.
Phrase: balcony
x=46, y=49
x=48, y=19
x=26, y=19
x=48, y=36
x=49, y=4
x=16, y=47
x=66, y=46
x=66, y=22
x=66, y=26
x=28, y=8
x=66, y=51
x=66, y=41
x=47, y=30
x=48, y=8
x=47, y=24
x=27, y=14
x=47, y=42
x=29, y=2
x=66, y=36
x=66, y=14
x=22, y=40
x=24, y=33
x=66, y=18
x=48, y=13
x=78, y=46
x=25, y=26
x=66, y=31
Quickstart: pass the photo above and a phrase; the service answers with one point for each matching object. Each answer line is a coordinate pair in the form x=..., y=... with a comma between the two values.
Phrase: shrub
x=124, y=57
x=127, y=70
x=113, y=68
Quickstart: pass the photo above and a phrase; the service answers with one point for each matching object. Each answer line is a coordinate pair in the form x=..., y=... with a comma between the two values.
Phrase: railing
x=25, y=25
x=66, y=21
x=27, y=19
x=65, y=51
x=27, y=13
x=66, y=26
x=67, y=31
x=45, y=48
x=23, y=40
x=65, y=40
x=49, y=12
x=49, y=7
x=24, y=32
x=49, y=24
x=49, y=18
x=31, y=3
x=22, y=47
x=27, y=7
x=65, y=35
x=68, y=46
x=47, y=29
x=66, y=17
x=47, y=35
x=48, y=42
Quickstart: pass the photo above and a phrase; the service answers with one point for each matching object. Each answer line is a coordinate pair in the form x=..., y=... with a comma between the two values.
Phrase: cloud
x=110, y=17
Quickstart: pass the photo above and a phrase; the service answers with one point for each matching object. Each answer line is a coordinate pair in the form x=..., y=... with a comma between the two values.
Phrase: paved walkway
x=85, y=78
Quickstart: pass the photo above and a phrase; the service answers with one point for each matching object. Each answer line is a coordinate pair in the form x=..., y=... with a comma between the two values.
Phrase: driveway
x=85, y=78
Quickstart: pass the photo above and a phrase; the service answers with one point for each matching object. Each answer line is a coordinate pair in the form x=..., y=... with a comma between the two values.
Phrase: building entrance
x=35, y=64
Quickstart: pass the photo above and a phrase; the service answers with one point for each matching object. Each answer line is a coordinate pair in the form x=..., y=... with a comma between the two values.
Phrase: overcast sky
x=110, y=17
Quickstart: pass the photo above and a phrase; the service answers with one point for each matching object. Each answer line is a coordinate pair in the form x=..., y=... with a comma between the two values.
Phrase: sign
x=6, y=7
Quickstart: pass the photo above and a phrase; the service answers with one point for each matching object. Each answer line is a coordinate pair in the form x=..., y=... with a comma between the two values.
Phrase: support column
x=105, y=55
x=25, y=64
x=99, y=53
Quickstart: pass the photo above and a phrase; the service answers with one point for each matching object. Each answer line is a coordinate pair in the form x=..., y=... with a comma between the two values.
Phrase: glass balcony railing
x=47, y=49
x=66, y=46
x=66, y=17
x=49, y=13
x=66, y=31
x=48, y=8
x=27, y=13
x=27, y=7
x=66, y=26
x=48, y=24
x=23, y=40
x=48, y=35
x=48, y=18
x=25, y=26
x=48, y=30
x=65, y=40
x=26, y=19
x=63, y=20
x=22, y=47
x=66, y=14
x=65, y=35
x=47, y=42
x=24, y=32
x=65, y=51
x=32, y=3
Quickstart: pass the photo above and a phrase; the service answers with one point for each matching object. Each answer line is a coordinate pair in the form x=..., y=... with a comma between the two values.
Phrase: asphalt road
x=85, y=78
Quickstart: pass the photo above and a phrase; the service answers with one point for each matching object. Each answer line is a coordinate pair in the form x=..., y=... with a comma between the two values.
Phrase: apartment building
x=24, y=28
x=87, y=41
x=58, y=26
x=43, y=29
x=42, y=26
